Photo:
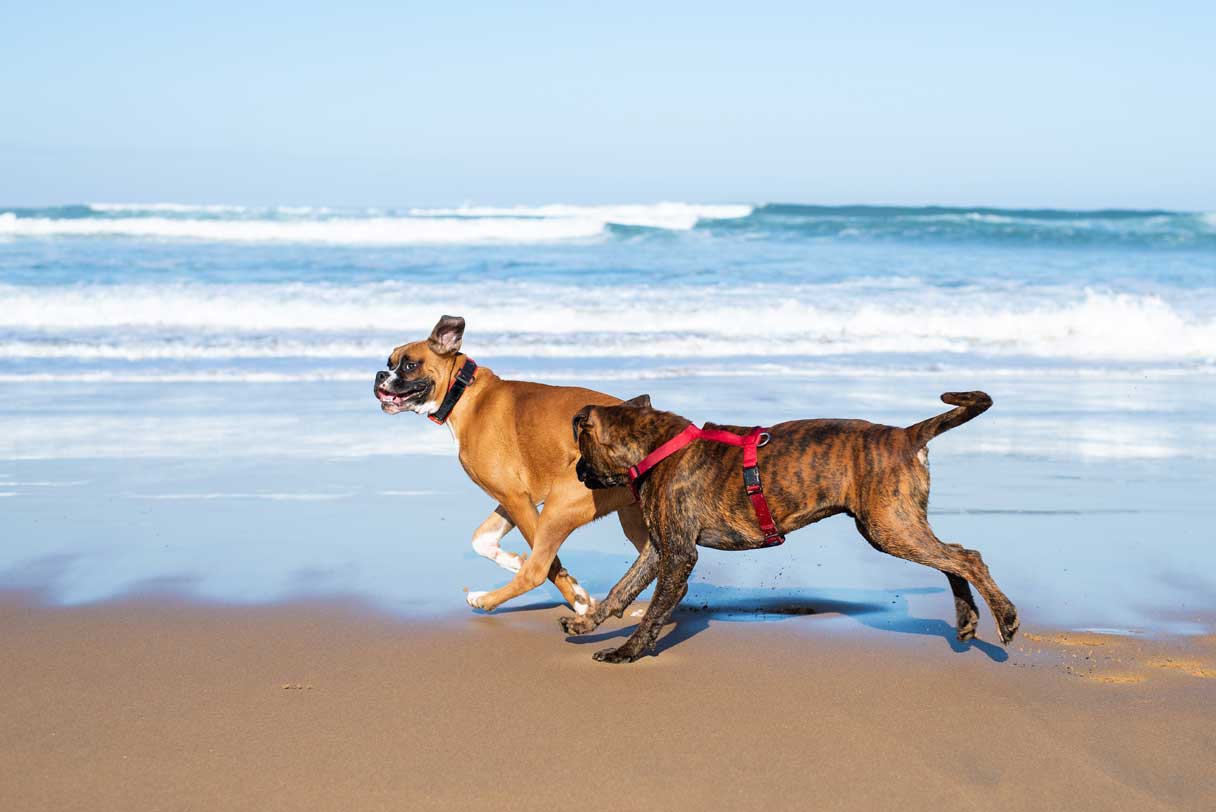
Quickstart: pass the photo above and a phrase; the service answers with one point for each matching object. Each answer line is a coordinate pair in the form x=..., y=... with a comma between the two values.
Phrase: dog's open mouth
x=393, y=402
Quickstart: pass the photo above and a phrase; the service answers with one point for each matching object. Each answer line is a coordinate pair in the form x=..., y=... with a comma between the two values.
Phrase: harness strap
x=690, y=433
x=755, y=492
x=751, y=472
x=463, y=380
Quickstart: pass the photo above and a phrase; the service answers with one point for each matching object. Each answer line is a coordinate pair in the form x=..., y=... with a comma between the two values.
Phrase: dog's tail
x=967, y=405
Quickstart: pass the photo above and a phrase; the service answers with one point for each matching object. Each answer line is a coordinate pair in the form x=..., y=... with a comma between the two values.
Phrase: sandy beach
x=154, y=703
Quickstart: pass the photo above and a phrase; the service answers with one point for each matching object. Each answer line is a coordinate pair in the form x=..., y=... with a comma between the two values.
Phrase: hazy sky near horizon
x=1073, y=105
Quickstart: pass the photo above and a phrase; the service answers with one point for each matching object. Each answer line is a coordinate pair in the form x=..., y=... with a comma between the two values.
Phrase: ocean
x=186, y=389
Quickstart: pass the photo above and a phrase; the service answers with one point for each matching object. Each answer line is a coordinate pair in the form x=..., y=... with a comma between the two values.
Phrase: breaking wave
x=133, y=322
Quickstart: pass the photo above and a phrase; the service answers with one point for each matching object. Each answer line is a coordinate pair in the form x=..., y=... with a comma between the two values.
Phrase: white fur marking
x=582, y=601
x=485, y=543
x=430, y=407
x=509, y=561
x=637, y=613
x=474, y=598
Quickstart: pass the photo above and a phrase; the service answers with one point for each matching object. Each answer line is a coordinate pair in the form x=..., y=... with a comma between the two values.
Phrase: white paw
x=581, y=608
x=637, y=613
x=474, y=598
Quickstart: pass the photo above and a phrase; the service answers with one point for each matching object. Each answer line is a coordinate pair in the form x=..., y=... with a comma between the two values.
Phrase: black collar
x=463, y=380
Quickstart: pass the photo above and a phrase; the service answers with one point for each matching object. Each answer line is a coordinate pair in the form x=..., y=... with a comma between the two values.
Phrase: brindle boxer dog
x=810, y=469
x=514, y=443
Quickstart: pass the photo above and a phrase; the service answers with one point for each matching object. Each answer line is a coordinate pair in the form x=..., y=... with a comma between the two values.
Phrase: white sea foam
x=149, y=322
x=89, y=436
x=273, y=497
x=731, y=368
x=173, y=208
x=313, y=225
x=335, y=231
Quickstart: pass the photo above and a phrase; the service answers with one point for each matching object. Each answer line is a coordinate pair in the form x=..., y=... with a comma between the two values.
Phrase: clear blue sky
x=1054, y=104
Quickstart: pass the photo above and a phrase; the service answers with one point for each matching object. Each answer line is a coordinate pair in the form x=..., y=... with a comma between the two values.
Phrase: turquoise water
x=185, y=392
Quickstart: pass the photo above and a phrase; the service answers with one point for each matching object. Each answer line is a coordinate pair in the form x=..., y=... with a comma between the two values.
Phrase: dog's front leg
x=676, y=560
x=637, y=578
x=558, y=520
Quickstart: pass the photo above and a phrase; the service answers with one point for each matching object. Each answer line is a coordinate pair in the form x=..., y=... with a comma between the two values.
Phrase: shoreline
x=156, y=702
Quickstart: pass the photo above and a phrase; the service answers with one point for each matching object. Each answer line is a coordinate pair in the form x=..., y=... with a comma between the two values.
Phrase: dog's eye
x=409, y=366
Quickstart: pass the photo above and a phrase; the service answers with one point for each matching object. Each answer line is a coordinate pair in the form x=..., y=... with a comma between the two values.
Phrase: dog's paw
x=1008, y=626
x=968, y=620
x=475, y=599
x=579, y=624
x=616, y=655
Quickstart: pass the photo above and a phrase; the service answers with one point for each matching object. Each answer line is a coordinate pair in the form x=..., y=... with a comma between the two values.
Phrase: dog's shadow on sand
x=882, y=609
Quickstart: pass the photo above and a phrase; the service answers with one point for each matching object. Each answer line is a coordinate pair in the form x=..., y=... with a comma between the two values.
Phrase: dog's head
x=418, y=373
x=612, y=439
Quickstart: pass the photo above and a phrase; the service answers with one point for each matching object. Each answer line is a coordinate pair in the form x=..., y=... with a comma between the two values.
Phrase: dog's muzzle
x=396, y=395
x=591, y=479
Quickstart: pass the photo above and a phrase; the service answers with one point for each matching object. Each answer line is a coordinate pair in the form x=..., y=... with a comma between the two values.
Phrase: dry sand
x=156, y=705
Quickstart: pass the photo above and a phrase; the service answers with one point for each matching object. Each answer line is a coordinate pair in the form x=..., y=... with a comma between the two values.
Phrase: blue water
x=182, y=386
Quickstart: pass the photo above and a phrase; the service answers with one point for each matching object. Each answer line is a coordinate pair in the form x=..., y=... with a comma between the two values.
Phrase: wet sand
x=152, y=703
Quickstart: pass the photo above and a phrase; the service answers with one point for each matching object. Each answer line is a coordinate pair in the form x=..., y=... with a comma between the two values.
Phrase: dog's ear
x=579, y=419
x=445, y=338
x=641, y=401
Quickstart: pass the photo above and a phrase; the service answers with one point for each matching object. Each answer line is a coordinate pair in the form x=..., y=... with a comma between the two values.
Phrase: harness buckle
x=466, y=378
x=751, y=479
x=763, y=439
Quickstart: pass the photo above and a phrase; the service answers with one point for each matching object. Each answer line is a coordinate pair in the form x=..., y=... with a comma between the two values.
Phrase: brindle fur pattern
x=810, y=469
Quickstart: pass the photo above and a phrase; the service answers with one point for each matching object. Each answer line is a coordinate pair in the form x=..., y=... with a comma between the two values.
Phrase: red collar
x=751, y=473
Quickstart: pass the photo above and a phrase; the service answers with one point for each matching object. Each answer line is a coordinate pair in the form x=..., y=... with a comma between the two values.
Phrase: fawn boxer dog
x=702, y=495
x=514, y=443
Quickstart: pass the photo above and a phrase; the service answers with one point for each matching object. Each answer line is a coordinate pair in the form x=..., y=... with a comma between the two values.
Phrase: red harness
x=751, y=474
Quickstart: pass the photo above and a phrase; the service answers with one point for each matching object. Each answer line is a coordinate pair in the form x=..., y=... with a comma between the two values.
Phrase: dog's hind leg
x=487, y=536
x=895, y=532
x=675, y=565
x=639, y=576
